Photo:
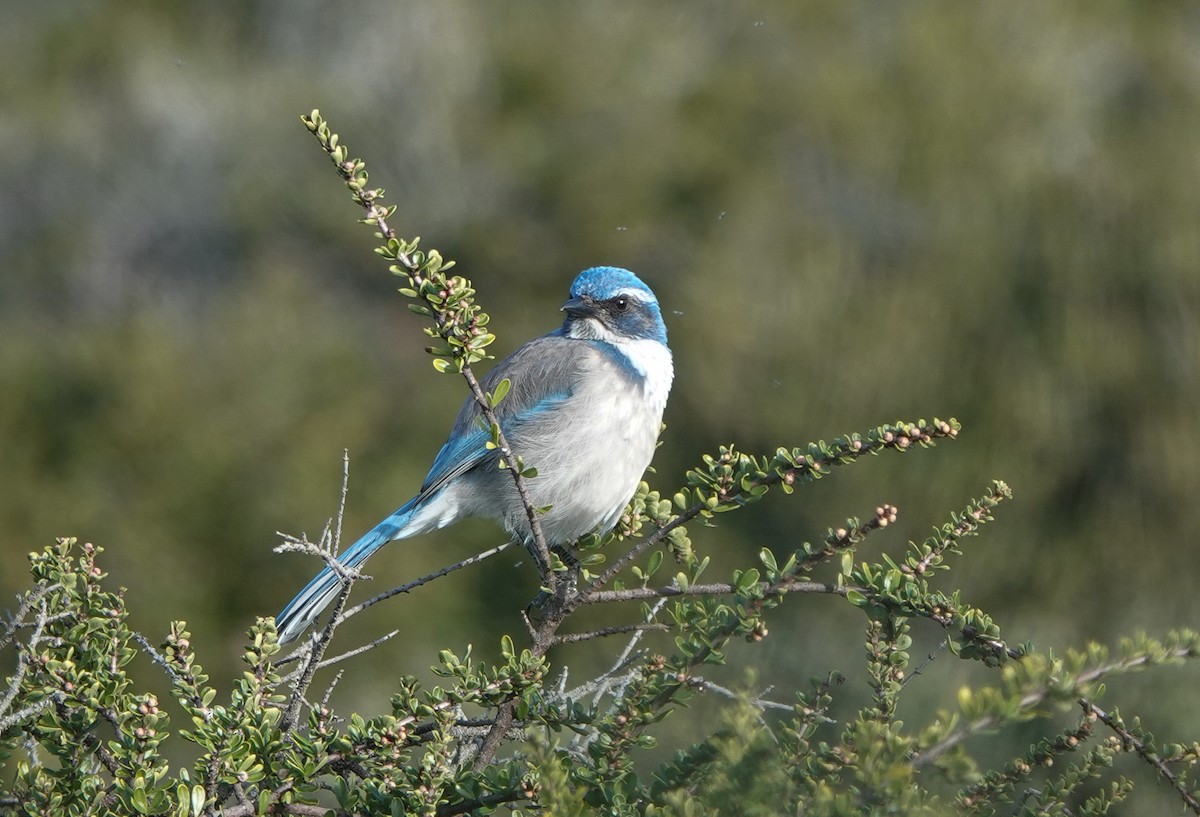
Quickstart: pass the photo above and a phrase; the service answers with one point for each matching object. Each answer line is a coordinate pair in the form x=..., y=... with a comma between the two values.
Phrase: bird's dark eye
x=621, y=304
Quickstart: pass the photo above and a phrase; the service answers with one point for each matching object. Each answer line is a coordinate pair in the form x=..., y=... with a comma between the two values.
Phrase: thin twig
x=312, y=661
x=604, y=632
x=713, y=589
x=17, y=621
x=615, y=679
x=329, y=689
x=18, y=677
x=323, y=549
x=157, y=657
x=624, y=659
x=637, y=550
x=324, y=636
x=9, y=721
x=926, y=756
x=924, y=665
x=1144, y=752
x=341, y=511
x=541, y=550
x=328, y=662
x=395, y=591
x=437, y=574
x=757, y=702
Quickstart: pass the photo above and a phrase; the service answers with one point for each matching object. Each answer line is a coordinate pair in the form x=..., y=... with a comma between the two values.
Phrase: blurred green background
x=852, y=213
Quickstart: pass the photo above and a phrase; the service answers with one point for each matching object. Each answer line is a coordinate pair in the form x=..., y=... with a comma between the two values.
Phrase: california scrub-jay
x=584, y=408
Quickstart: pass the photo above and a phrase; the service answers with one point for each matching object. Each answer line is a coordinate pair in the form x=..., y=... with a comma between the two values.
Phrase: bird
x=584, y=408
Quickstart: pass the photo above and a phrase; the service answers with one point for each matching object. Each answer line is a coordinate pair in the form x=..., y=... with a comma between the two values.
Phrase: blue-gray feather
x=584, y=408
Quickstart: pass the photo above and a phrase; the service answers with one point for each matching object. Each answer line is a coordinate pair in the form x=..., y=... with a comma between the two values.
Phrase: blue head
x=613, y=304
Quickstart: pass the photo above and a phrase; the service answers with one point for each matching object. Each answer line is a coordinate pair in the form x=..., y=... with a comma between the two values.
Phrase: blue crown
x=602, y=283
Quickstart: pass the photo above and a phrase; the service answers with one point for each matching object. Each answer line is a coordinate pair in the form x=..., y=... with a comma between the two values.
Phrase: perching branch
x=710, y=589
x=448, y=301
x=616, y=629
x=415, y=583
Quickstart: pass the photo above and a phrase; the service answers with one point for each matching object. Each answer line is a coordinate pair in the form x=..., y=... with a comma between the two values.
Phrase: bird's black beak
x=580, y=308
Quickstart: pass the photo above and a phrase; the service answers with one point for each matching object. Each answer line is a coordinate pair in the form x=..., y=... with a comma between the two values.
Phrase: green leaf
x=746, y=579
x=768, y=559
x=500, y=392
x=656, y=560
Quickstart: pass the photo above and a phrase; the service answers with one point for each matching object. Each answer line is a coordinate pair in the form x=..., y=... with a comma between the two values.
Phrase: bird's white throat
x=652, y=360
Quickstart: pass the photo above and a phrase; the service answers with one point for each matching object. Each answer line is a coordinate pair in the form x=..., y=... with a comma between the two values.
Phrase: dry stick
x=18, y=677
x=309, y=668
x=337, y=659
x=623, y=661
x=713, y=589
x=617, y=629
x=610, y=678
x=17, y=620
x=415, y=583
x=758, y=702
x=405, y=588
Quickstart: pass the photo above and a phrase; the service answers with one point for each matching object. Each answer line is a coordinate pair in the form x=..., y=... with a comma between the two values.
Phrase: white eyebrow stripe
x=637, y=294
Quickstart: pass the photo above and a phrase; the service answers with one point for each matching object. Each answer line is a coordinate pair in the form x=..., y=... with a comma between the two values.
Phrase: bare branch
x=625, y=659
x=437, y=574
x=618, y=629
x=714, y=589
x=328, y=662
x=14, y=685
x=17, y=620
x=9, y=721
x=758, y=702
x=320, y=641
x=336, y=620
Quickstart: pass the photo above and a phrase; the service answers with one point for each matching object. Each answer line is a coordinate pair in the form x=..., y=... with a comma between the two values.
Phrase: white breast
x=596, y=450
x=652, y=360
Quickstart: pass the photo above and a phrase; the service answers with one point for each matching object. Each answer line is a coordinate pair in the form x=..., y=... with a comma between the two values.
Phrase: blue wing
x=542, y=375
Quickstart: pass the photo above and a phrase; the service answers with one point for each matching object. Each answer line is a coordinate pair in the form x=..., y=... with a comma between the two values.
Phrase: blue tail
x=310, y=601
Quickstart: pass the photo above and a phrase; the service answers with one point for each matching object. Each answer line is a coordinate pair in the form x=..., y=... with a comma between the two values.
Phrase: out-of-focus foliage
x=849, y=211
